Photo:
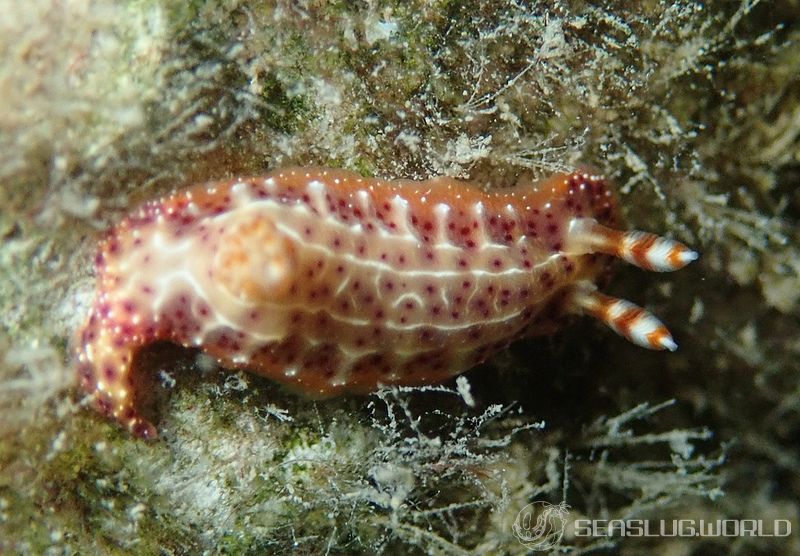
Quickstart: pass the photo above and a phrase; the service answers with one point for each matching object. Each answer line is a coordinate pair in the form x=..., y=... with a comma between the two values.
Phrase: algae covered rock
x=690, y=108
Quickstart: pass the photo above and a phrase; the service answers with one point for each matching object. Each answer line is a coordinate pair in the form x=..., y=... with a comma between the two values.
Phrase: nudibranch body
x=331, y=282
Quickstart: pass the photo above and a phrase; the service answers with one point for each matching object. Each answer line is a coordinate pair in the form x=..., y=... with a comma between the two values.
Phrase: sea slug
x=331, y=282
